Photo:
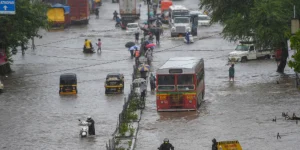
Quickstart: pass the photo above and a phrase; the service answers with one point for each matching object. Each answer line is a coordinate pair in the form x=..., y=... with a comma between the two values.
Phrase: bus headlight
x=173, y=29
x=161, y=102
x=190, y=101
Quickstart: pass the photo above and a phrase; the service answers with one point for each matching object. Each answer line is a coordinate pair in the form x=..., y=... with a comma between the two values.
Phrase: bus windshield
x=166, y=82
x=185, y=82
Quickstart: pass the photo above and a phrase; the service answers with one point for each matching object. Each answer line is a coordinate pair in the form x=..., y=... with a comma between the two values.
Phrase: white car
x=203, y=20
x=1, y=87
x=133, y=28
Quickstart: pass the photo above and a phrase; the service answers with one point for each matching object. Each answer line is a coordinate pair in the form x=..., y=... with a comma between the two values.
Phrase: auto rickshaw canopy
x=68, y=78
x=115, y=76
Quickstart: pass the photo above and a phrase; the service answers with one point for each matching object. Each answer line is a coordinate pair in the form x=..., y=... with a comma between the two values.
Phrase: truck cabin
x=244, y=47
x=178, y=11
x=185, y=20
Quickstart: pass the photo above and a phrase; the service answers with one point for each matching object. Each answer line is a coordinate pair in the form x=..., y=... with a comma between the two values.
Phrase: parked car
x=133, y=28
x=1, y=87
x=244, y=52
x=203, y=20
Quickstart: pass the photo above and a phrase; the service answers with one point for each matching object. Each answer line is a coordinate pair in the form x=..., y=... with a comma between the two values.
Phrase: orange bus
x=180, y=84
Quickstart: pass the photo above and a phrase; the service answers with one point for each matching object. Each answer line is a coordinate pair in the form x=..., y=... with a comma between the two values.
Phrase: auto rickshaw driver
x=87, y=45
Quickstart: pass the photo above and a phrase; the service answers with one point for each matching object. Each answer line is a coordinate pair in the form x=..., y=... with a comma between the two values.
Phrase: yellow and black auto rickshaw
x=68, y=83
x=114, y=83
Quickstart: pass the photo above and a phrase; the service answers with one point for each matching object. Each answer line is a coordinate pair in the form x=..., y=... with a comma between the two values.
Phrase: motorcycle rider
x=166, y=145
x=118, y=21
x=187, y=37
x=214, y=145
x=115, y=14
x=91, y=125
x=97, y=13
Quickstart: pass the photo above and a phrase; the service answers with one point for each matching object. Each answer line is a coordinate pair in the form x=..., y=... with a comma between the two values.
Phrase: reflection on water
x=189, y=115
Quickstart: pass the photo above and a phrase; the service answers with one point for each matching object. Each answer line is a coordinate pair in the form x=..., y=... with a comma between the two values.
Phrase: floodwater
x=242, y=110
x=34, y=116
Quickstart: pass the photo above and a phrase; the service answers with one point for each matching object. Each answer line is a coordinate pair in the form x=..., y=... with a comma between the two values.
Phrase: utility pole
x=294, y=23
x=148, y=5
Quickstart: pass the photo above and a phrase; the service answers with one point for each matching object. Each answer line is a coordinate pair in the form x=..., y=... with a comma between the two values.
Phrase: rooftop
x=181, y=62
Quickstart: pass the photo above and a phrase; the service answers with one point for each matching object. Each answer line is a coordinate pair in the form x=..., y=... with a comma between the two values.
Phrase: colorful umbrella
x=150, y=45
x=144, y=67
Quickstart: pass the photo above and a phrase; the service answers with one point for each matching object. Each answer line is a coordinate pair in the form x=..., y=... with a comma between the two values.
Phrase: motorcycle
x=191, y=39
x=84, y=128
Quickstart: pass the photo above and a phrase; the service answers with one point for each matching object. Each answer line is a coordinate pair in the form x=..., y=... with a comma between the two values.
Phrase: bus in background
x=180, y=84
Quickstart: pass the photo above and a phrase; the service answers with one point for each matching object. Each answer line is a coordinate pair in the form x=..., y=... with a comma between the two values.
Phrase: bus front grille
x=176, y=100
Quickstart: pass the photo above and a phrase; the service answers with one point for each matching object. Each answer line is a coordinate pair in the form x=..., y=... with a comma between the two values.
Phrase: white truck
x=179, y=20
x=244, y=52
x=129, y=10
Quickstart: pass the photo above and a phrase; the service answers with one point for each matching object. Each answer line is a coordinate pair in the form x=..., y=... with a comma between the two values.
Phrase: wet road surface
x=34, y=116
x=242, y=110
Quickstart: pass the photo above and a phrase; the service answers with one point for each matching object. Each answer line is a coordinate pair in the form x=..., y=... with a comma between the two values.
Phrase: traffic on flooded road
x=67, y=93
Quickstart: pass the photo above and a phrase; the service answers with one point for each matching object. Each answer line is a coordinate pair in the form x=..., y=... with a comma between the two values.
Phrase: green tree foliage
x=295, y=44
x=19, y=28
x=266, y=21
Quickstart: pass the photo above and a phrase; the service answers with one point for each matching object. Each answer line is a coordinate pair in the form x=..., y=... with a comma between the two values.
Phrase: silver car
x=133, y=28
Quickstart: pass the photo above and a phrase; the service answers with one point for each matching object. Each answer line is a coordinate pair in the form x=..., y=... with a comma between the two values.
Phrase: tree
x=295, y=44
x=17, y=29
x=267, y=22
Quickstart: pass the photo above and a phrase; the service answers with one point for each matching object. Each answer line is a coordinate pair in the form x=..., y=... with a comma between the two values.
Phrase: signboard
x=7, y=7
x=229, y=145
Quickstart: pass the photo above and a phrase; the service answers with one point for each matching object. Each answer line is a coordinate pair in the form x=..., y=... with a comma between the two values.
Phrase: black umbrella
x=129, y=44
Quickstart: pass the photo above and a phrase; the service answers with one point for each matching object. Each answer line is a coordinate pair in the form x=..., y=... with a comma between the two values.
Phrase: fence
x=133, y=99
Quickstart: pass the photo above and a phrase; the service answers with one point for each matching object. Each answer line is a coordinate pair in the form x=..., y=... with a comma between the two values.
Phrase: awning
x=66, y=8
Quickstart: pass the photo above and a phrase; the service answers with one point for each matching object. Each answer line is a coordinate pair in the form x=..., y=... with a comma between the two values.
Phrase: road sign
x=7, y=7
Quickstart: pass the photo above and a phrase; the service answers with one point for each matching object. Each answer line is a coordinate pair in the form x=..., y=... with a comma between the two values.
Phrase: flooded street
x=34, y=115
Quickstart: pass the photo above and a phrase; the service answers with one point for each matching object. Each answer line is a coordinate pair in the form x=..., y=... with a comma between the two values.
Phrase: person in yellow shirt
x=87, y=45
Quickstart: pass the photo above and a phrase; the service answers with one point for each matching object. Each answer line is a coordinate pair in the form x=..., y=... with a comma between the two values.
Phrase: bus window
x=185, y=82
x=166, y=80
x=185, y=79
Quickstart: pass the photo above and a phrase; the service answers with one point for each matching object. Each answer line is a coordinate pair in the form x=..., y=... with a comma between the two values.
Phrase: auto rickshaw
x=68, y=83
x=114, y=83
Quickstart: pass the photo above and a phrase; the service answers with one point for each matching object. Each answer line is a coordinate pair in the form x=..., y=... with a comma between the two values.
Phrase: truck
x=179, y=20
x=248, y=51
x=129, y=10
x=79, y=11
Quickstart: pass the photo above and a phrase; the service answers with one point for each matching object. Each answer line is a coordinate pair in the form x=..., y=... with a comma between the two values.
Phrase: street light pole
x=148, y=3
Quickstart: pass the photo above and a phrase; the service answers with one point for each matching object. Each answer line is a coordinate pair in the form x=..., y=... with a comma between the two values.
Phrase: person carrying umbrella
x=152, y=82
x=137, y=34
x=132, y=51
x=157, y=35
x=136, y=55
x=144, y=68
